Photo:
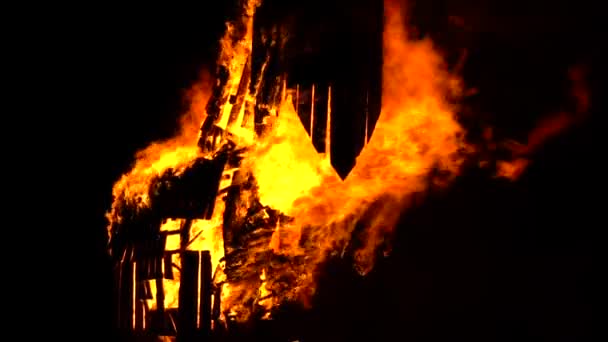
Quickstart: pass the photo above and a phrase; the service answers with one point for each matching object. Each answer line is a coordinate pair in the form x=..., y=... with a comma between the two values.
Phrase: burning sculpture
x=313, y=138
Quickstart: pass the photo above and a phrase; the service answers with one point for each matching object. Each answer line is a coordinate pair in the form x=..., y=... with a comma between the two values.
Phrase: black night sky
x=486, y=260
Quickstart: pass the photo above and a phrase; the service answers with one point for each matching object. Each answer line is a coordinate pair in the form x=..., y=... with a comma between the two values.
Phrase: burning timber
x=182, y=247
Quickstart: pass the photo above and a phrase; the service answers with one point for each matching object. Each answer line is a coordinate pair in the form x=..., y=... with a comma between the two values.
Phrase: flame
x=176, y=153
x=235, y=51
x=417, y=142
x=416, y=133
x=285, y=164
x=206, y=235
x=170, y=290
x=132, y=190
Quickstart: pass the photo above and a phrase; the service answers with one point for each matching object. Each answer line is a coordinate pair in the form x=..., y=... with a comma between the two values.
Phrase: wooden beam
x=194, y=319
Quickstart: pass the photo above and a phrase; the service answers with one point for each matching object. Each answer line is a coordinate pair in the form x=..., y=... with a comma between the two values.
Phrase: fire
x=176, y=153
x=285, y=164
x=293, y=210
x=264, y=295
x=132, y=192
x=170, y=289
x=206, y=235
x=416, y=133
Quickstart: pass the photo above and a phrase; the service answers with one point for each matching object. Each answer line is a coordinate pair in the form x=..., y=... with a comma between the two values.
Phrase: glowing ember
x=285, y=164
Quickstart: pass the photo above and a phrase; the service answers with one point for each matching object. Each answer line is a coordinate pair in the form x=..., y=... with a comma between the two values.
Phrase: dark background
x=486, y=260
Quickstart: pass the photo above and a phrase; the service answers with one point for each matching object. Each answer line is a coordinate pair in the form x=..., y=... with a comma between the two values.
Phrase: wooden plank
x=194, y=319
x=125, y=291
x=205, y=293
x=140, y=307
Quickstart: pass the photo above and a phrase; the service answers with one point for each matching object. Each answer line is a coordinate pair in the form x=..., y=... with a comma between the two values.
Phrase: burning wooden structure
x=212, y=234
x=170, y=268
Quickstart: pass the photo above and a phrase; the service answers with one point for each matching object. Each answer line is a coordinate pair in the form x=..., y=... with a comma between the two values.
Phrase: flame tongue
x=416, y=133
x=285, y=164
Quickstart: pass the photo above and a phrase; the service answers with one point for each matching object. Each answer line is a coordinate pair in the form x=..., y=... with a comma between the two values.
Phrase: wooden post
x=194, y=319
x=125, y=295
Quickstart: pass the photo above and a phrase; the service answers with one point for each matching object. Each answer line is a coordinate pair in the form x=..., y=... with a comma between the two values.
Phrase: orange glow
x=416, y=135
x=416, y=132
x=285, y=164
x=511, y=169
x=176, y=153
x=171, y=291
x=206, y=235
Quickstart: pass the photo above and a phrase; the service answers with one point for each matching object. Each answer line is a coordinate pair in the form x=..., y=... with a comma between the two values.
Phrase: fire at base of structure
x=180, y=251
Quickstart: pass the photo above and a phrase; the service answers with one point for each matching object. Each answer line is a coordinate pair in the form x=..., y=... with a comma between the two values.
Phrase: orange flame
x=176, y=153
x=285, y=164
x=416, y=133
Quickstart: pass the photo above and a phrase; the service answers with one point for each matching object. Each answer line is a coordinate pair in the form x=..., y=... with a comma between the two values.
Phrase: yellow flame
x=206, y=235
x=170, y=288
x=285, y=164
x=416, y=132
x=176, y=153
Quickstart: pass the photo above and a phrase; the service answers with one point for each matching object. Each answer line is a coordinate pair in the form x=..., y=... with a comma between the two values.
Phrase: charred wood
x=162, y=323
x=140, y=307
x=185, y=233
x=192, y=193
x=168, y=266
x=238, y=100
x=159, y=321
x=194, y=320
x=125, y=295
